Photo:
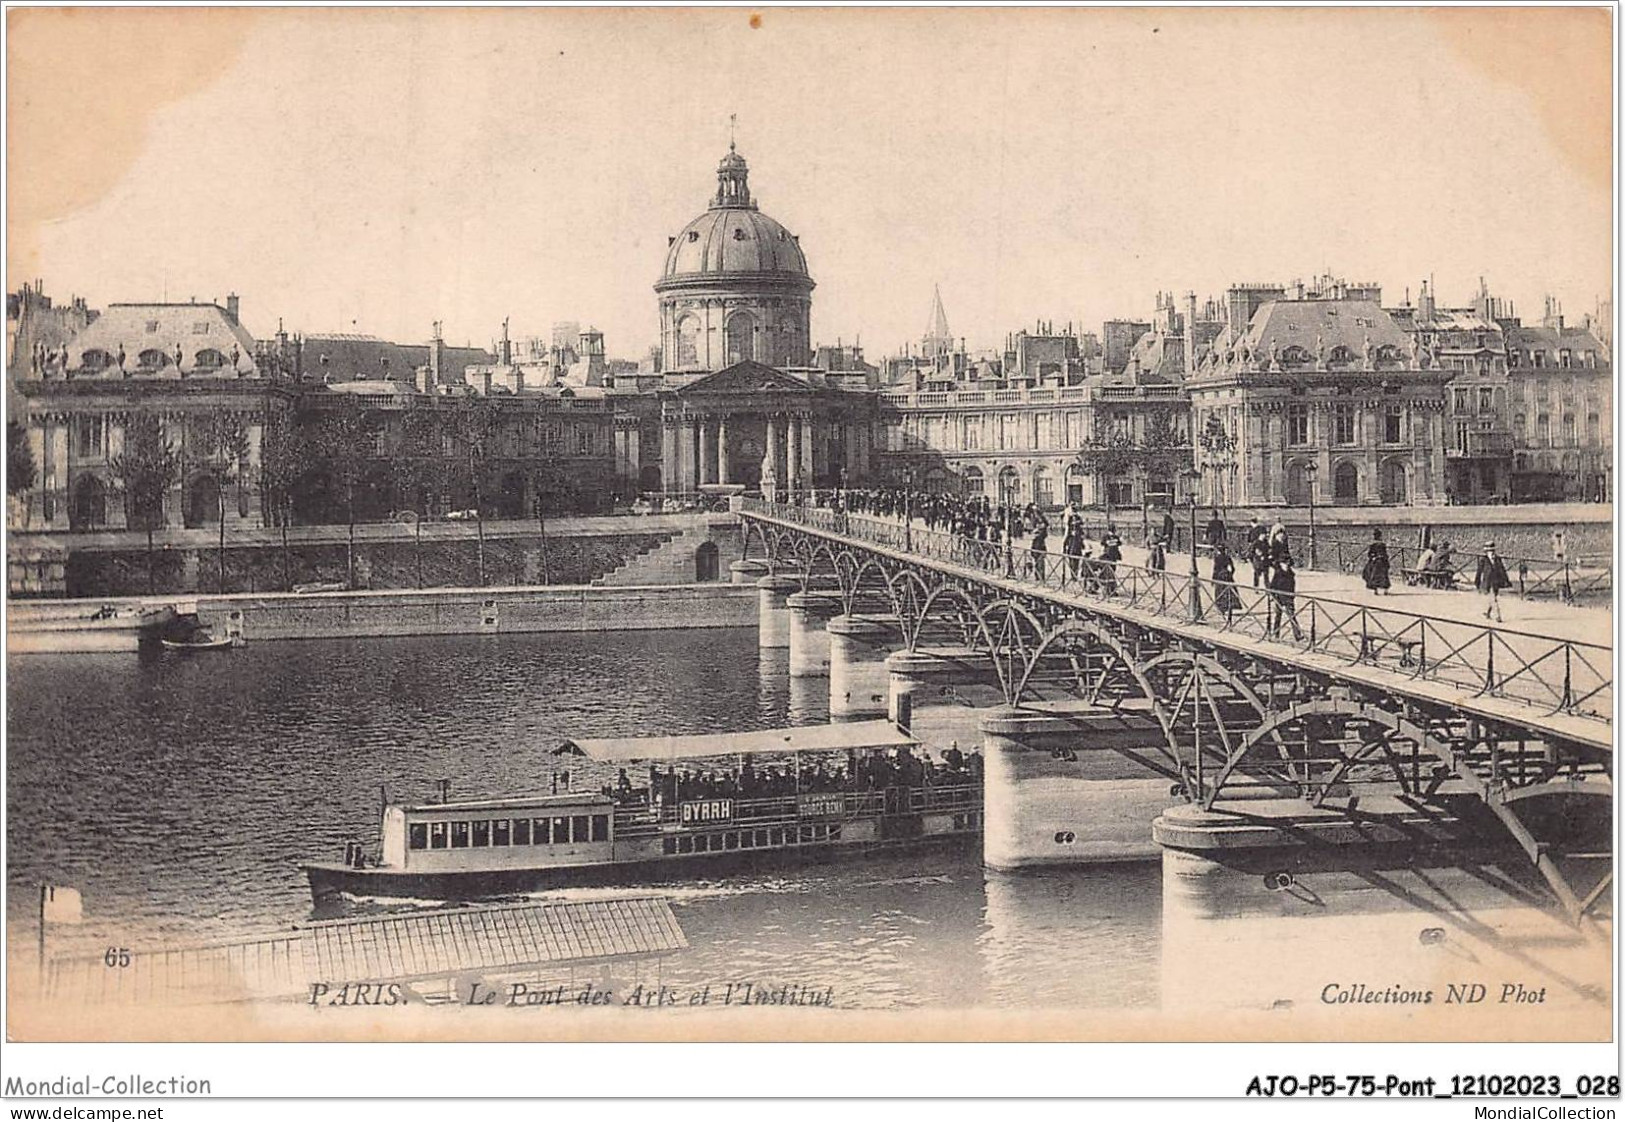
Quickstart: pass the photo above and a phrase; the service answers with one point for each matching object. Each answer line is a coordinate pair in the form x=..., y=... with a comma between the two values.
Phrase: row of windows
x=1540, y=359
x=750, y=839
x=1345, y=427
x=1571, y=434
x=490, y=832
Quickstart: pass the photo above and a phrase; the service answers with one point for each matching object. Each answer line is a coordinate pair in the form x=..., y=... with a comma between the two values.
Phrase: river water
x=180, y=794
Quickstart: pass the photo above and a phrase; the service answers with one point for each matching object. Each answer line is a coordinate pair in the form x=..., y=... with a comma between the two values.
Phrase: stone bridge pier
x=773, y=612
x=809, y=641
x=1072, y=783
x=859, y=683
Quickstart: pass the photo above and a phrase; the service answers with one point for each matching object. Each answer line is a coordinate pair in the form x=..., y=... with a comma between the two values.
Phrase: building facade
x=1321, y=397
x=1560, y=398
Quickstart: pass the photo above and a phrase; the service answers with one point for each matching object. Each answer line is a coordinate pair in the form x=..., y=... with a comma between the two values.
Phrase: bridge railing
x=1568, y=579
x=1555, y=674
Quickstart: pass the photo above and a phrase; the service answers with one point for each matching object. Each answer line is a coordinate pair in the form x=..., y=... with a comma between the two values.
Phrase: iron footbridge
x=1324, y=697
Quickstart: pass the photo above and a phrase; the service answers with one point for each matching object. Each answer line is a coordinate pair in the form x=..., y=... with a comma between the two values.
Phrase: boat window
x=669, y=845
x=521, y=831
x=600, y=827
x=500, y=831
x=778, y=837
x=417, y=835
x=806, y=834
x=437, y=835
x=685, y=845
x=561, y=831
x=834, y=833
x=459, y=835
x=761, y=837
x=731, y=839
x=538, y=831
x=482, y=833
x=747, y=840
x=578, y=828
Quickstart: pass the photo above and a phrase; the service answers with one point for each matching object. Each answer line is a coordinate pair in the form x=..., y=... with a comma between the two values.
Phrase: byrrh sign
x=707, y=810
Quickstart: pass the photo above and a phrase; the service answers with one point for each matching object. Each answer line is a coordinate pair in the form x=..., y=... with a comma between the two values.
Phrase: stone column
x=865, y=447
x=773, y=618
x=770, y=473
x=707, y=464
x=858, y=680
x=689, y=451
x=809, y=642
x=809, y=434
x=849, y=448
x=634, y=454
x=669, y=483
x=792, y=452
x=722, y=450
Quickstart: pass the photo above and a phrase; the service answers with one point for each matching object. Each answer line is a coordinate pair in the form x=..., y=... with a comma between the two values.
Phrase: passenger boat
x=56, y=627
x=886, y=795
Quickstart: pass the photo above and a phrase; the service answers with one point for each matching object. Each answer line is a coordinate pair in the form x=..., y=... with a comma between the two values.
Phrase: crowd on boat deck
x=865, y=772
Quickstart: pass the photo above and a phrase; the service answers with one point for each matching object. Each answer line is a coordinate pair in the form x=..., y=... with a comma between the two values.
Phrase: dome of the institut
x=735, y=284
x=733, y=236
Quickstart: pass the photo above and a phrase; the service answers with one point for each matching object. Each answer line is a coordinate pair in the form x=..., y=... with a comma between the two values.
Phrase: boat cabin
x=498, y=834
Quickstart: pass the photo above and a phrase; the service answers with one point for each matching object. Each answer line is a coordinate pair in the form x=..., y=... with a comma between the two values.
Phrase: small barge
x=779, y=801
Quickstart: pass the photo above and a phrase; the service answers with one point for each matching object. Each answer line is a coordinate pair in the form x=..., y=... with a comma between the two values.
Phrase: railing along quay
x=1549, y=674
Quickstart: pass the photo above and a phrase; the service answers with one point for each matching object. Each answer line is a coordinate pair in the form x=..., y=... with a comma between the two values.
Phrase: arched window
x=1009, y=486
x=1340, y=354
x=973, y=480
x=511, y=502
x=1297, y=484
x=706, y=565
x=151, y=359
x=1393, y=483
x=741, y=337
x=1346, y=483
x=1043, y=487
x=95, y=359
x=88, y=510
x=1294, y=355
x=210, y=359
x=688, y=342
x=203, y=502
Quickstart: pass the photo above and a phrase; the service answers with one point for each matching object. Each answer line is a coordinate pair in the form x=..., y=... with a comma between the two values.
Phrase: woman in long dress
x=1225, y=597
x=1375, y=573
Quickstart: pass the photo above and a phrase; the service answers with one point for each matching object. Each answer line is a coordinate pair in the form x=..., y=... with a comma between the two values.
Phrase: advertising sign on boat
x=707, y=810
x=825, y=804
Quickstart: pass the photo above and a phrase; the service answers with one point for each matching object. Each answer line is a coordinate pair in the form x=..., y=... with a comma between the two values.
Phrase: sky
x=377, y=170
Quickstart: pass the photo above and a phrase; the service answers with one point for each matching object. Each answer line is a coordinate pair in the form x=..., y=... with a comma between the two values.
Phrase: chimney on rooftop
x=1190, y=333
x=231, y=307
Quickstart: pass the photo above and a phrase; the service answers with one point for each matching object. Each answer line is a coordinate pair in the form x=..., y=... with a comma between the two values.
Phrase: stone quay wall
x=472, y=611
x=576, y=551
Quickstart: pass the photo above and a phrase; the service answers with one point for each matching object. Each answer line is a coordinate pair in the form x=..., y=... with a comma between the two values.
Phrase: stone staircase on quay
x=667, y=561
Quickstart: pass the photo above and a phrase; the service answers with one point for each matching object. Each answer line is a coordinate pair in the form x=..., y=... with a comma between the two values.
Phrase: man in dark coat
x=1283, y=593
x=1490, y=579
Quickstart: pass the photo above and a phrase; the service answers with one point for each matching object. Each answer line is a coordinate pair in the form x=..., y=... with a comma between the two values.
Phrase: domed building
x=737, y=402
x=735, y=287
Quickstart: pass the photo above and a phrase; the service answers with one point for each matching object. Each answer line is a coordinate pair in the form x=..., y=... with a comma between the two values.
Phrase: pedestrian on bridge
x=1225, y=597
x=1375, y=573
x=1490, y=579
x=1283, y=589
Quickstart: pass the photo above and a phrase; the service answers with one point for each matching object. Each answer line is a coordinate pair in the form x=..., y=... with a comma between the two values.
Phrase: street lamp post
x=1192, y=478
x=1312, y=470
